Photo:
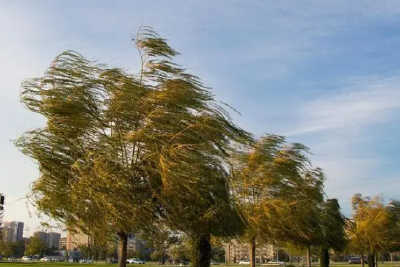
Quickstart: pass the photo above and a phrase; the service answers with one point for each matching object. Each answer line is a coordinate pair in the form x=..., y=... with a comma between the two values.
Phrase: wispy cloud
x=363, y=101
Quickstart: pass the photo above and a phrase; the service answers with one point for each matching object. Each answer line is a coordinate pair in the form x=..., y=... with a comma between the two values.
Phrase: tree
x=2, y=198
x=274, y=186
x=36, y=246
x=10, y=249
x=334, y=234
x=217, y=250
x=124, y=152
x=373, y=226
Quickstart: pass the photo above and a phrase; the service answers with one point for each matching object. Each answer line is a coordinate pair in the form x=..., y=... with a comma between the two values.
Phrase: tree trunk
x=362, y=259
x=309, y=256
x=324, y=257
x=122, y=248
x=253, y=251
x=391, y=258
x=201, y=254
x=376, y=259
x=371, y=259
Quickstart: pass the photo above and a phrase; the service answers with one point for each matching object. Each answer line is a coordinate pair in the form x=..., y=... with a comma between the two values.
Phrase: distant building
x=53, y=240
x=13, y=231
x=236, y=251
x=41, y=235
x=135, y=244
x=79, y=238
x=76, y=239
x=7, y=234
x=63, y=243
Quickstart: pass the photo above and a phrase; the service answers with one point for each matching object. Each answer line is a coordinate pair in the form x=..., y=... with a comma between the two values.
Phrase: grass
x=150, y=264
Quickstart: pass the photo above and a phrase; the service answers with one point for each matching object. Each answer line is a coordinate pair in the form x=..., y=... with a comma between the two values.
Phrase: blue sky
x=324, y=73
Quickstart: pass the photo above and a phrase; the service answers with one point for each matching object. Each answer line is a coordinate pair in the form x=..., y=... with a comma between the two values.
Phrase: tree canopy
x=276, y=188
x=123, y=152
x=373, y=227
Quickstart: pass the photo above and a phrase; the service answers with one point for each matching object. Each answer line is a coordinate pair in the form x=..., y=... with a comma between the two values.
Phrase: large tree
x=274, y=186
x=123, y=152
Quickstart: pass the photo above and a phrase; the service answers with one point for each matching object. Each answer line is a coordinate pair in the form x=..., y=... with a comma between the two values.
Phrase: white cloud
x=342, y=129
x=364, y=101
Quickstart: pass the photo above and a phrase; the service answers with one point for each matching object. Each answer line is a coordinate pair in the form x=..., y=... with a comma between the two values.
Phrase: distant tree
x=333, y=230
x=9, y=249
x=85, y=250
x=180, y=251
x=36, y=246
x=373, y=227
x=295, y=251
x=275, y=187
x=217, y=250
x=2, y=199
x=308, y=228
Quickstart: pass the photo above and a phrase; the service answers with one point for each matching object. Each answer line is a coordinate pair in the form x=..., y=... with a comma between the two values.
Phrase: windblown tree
x=306, y=224
x=333, y=230
x=374, y=226
x=122, y=152
x=393, y=209
x=274, y=186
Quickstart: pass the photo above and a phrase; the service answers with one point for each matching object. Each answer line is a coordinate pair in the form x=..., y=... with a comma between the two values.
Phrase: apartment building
x=76, y=239
x=63, y=243
x=236, y=251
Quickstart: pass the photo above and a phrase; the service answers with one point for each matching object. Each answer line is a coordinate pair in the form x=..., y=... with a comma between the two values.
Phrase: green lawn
x=150, y=264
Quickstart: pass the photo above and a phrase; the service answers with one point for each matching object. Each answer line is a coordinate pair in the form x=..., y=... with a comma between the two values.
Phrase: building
x=135, y=244
x=53, y=240
x=41, y=235
x=76, y=239
x=7, y=234
x=79, y=238
x=236, y=251
x=13, y=231
x=62, y=245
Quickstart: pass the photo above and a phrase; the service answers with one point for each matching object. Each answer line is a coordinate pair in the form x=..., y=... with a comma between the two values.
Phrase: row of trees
x=35, y=246
x=154, y=152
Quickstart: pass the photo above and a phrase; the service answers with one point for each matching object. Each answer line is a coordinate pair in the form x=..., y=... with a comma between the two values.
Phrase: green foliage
x=374, y=227
x=35, y=246
x=218, y=253
x=15, y=249
x=275, y=187
x=333, y=223
x=123, y=152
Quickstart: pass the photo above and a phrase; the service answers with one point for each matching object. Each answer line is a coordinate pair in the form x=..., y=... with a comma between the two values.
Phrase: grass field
x=150, y=264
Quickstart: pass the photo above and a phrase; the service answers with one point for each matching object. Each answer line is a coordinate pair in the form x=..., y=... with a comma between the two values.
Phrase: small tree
x=275, y=187
x=334, y=231
x=372, y=226
x=36, y=246
x=2, y=199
